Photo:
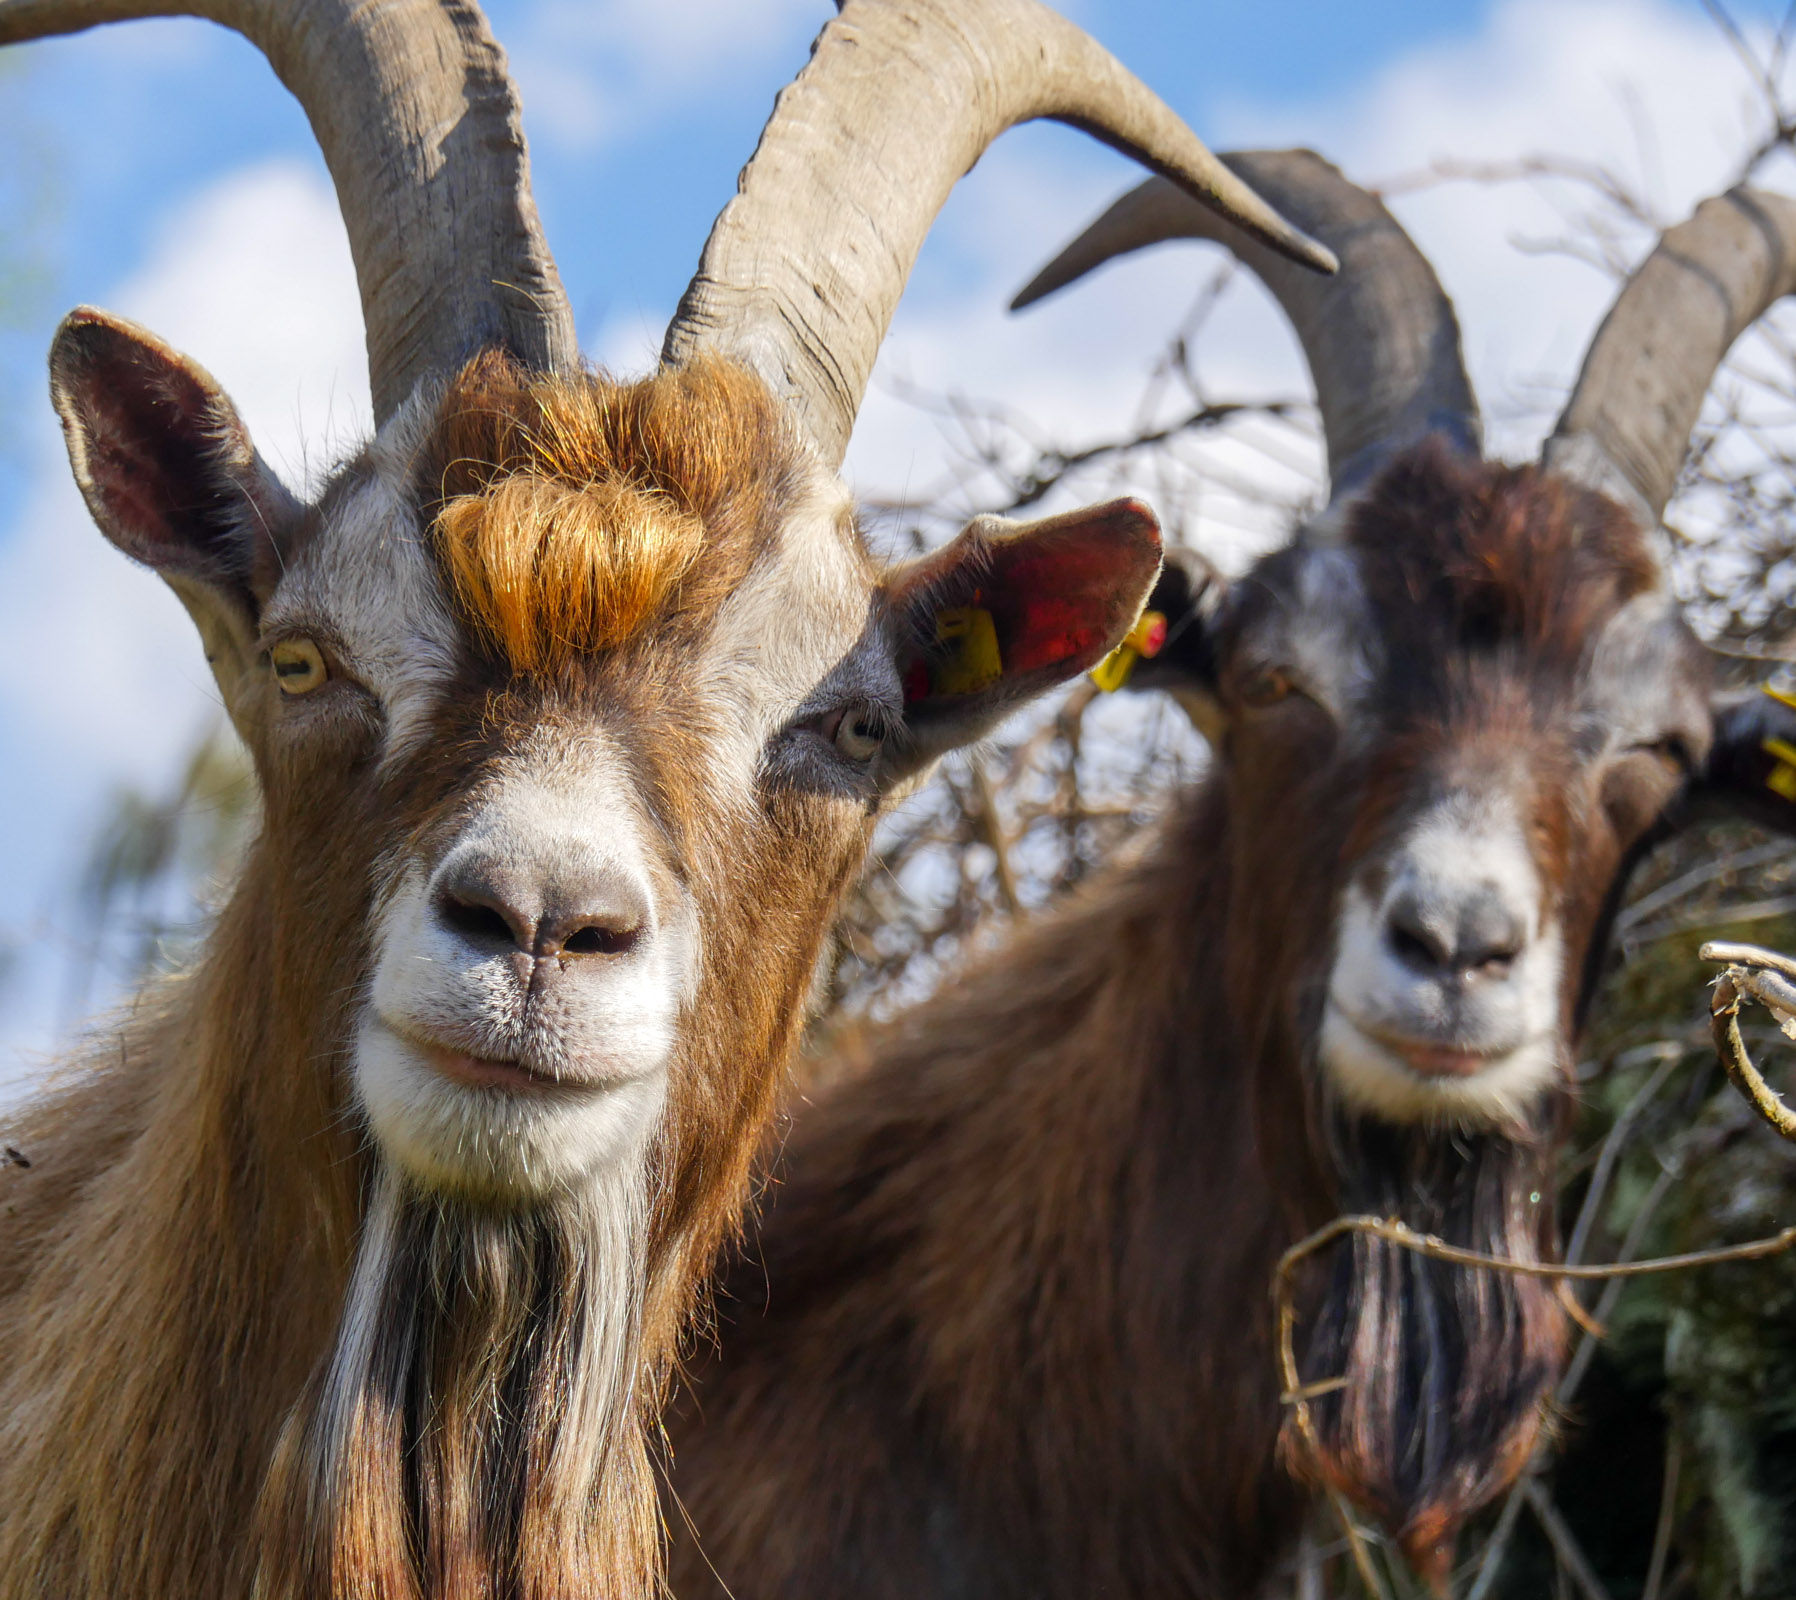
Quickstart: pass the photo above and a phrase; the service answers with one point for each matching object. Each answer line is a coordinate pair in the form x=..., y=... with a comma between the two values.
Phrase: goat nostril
x=1415, y=946
x=600, y=939
x=1493, y=966
x=477, y=923
x=588, y=933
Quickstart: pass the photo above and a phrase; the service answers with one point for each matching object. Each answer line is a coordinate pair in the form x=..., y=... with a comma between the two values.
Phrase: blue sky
x=163, y=171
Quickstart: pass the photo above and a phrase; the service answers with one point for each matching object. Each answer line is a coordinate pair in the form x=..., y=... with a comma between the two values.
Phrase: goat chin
x=474, y=1424
x=503, y=1148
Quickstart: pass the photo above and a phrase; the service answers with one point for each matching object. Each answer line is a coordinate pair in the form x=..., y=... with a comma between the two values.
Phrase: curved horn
x=1380, y=336
x=804, y=268
x=1628, y=423
x=418, y=120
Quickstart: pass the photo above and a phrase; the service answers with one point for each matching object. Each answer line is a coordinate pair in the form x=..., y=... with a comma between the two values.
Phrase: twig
x=1753, y=911
x=1688, y=882
x=1492, y=1560
x=1357, y=1547
x=1770, y=987
x=1611, y=1153
x=1605, y=1304
x=1668, y=1496
x=989, y=827
x=1565, y=1547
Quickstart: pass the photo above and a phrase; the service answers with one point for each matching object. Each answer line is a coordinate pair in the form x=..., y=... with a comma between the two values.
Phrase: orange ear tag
x=1782, y=781
x=1145, y=639
x=966, y=657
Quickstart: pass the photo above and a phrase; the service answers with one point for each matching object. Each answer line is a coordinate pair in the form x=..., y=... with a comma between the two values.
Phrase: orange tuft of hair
x=572, y=510
x=547, y=569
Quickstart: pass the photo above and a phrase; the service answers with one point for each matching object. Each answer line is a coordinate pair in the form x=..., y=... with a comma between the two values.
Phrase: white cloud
x=588, y=68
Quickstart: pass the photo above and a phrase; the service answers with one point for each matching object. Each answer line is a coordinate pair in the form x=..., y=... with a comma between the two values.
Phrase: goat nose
x=1480, y=935
x=490, y=906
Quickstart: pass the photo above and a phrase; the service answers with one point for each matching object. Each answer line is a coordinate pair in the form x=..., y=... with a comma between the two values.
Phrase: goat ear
x=1007, y=610
x=169, y=474
x=1189, y=595
x=1751, y=768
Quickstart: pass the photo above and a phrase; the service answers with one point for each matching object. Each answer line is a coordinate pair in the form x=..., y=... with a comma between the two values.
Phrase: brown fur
x=1006, y=1330
x=183, y=1412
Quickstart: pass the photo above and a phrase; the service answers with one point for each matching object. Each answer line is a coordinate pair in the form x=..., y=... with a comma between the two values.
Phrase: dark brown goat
x=1007, y=1332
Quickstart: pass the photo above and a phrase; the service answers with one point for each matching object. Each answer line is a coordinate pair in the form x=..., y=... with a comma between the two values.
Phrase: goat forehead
x=368, y=574
x=1631, y=668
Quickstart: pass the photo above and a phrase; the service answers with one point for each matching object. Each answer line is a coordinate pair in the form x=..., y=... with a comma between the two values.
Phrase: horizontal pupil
x=292, y=669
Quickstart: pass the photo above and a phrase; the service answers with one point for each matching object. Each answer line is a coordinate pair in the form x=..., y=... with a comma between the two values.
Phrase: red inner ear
x=155, y=444
x=1063, y=593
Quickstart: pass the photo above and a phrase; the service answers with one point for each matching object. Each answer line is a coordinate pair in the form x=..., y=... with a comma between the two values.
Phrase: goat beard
x=474, y=1433
x=1448, y=1369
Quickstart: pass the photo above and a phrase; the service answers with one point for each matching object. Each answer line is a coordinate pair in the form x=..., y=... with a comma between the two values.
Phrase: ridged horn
x=805, y=266
x=1380, y=336
x=1628, y=423
x=418, y=119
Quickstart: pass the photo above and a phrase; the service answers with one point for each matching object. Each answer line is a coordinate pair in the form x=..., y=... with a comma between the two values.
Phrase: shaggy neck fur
x=1007, y=1330
x=187, y=1225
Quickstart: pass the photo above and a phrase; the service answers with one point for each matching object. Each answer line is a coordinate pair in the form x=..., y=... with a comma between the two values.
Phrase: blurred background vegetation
x=28, y=200
x=1675, y=1470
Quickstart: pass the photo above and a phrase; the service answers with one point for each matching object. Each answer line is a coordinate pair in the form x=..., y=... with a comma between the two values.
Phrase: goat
x=1006, y=1330
x=353, y=1261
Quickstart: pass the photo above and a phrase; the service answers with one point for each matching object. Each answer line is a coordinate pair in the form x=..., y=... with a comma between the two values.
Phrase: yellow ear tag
x=1782, y=781
x=1144, y=639
x=966, y=657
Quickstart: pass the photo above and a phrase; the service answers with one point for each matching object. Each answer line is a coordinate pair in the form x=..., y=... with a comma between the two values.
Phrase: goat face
x=1445, y=738
x=573, y=704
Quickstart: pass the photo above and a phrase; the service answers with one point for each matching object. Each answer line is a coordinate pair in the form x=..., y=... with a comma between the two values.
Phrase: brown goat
x=1006, y=1330
x=351, y=1263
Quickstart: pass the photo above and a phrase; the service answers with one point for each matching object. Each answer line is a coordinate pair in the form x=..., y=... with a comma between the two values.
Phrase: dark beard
x=1447, y=1367
x=474, y=1433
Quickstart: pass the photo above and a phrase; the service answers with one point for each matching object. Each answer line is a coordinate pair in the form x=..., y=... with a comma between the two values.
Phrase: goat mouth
x=1404, y=1079
x=1428, y=1058
x=480, y=1072
x=470, y=1071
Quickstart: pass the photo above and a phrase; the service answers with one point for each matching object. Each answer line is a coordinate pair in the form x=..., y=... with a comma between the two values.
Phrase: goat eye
x=298, y=666
x=1671, y=754
x=1265, y=687
x=856, y=733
